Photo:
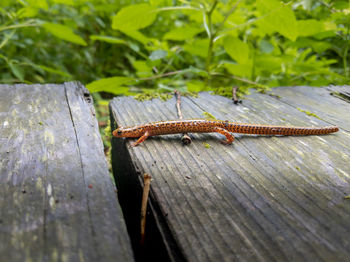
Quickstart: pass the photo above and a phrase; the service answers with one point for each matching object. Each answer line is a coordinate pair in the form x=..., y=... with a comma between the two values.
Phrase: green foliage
x=111, y=85
x=277, y=17
x=135, y=47
x=232, y=44
x=134, y=17
x=64, y=32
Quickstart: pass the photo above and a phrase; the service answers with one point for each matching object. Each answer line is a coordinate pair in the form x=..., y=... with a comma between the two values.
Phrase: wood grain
x=57, y=200
x=260, y=199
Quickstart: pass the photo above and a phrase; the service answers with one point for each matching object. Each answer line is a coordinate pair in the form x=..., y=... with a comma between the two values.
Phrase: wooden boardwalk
x=260, y=199
x=57, y=200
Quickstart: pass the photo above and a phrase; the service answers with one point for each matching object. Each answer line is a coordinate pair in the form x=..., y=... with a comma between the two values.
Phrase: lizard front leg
x=226, y=133
x=141, y=139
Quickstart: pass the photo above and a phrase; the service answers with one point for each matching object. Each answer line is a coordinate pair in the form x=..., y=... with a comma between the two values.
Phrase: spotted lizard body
x=219, y=126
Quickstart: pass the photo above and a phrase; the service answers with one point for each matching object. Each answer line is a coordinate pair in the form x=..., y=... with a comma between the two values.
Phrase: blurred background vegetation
x=153, y=47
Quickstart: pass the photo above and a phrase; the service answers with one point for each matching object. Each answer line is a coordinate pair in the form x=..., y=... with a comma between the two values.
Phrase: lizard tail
x=280, y=130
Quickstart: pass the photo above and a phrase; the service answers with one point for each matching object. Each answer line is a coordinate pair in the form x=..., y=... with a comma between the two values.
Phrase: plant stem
x=345, y=56
x=7, y=38
x=211, y=36
x=242, y=80
x=28, y=23
x=161, y=75
x=209, y=55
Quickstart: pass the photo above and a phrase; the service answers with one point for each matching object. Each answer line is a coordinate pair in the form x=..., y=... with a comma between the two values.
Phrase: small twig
x=234, y=95
x=327, y=5
x=146, y=186
x=211, y=35
x=161, y=75
x=178, y=104
x=241, y=79
x=28, y=23
x=185, y=138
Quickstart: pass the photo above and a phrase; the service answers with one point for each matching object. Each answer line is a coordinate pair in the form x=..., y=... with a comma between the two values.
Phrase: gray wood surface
x=57, y=200
x=260, y=199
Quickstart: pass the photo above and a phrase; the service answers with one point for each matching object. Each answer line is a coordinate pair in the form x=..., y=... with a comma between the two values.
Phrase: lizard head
x=128, y=132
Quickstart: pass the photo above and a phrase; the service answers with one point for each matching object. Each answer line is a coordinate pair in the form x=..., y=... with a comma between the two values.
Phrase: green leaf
x=134, y=17
x=197, y=47
x=138, y=36
x=238, y=50
x=143, y=69
x=330, y=26
x=239, y=69
x=318, y=46
x=6, y=38
x=158, y=54
x=195, y=86
x=196, y=71
x=237, y=18
x=160, y=2
x=120, y=90
x=52, y=70
x=181, y=34
x=108, y=39
x=134, y=47
x=268, y=63
x=265, y=6
x=64, y=32
x=27, y=11
x=309, y=27
x=341, y=4
x=5, y=3
x=277, y=17
x=39, y=4
x=17, y=71
x=65, y=2
x=266, y=46
x=325, y=34
x=112, y=85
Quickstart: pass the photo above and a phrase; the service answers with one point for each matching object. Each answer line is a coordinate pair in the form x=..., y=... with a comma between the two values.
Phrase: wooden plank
x=57, y=200
x=260, y=199
x=320, y=100
x=342, y=92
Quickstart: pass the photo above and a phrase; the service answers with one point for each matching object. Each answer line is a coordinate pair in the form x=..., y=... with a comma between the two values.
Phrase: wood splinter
x=186, y=139
x=146, y=186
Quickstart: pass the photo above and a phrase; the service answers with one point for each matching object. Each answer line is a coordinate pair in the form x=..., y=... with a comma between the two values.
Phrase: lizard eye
x=119, y=132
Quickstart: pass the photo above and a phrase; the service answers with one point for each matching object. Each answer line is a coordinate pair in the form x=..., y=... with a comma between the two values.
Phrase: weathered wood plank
x=261, y=199
x=57, y=201
x=342, y=92
x=312, y=99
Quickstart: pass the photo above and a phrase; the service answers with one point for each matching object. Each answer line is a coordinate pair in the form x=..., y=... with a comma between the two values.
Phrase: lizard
x=209, y=126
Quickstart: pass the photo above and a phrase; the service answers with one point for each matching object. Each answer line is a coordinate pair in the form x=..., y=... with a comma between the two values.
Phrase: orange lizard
x=210, y=126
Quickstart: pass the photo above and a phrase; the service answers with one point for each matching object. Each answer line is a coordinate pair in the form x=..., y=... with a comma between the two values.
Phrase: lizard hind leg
x=141, y=139
x=227, y=134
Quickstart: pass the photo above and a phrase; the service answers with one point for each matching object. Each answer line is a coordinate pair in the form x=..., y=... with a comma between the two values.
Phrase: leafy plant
x=130, y=47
